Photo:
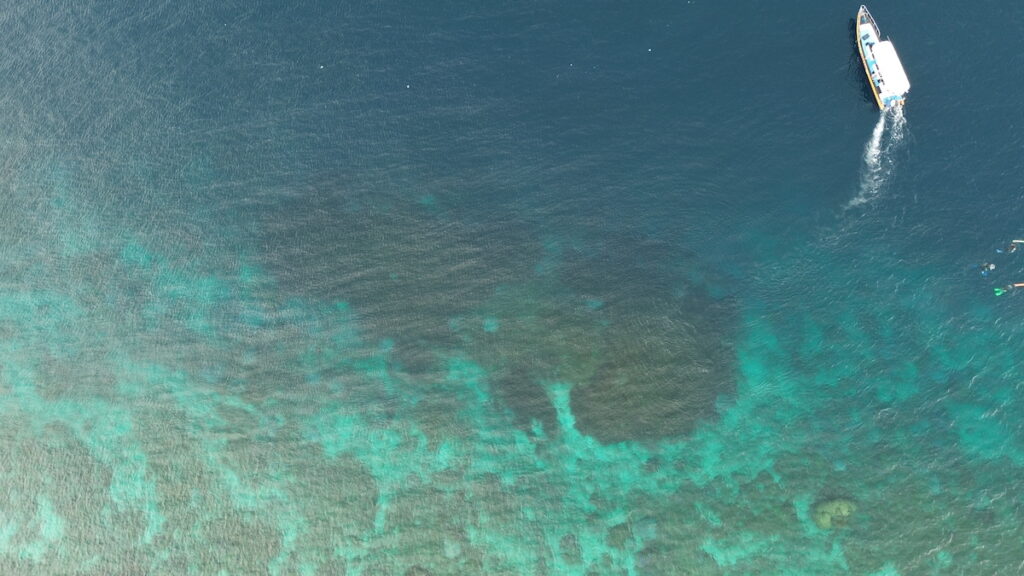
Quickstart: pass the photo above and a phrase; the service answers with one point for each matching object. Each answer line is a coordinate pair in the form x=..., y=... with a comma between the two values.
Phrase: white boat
x=885, y=72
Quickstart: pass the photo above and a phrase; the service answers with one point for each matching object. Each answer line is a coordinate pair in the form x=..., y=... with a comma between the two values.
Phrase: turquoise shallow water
x=376, y=289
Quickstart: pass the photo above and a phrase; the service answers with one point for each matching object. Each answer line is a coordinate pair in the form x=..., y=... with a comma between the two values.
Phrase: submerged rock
x=569, y=546
x=833, y=513
x=619, y=536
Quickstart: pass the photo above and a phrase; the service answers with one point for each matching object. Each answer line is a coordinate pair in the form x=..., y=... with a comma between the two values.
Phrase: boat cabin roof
x=890, y=68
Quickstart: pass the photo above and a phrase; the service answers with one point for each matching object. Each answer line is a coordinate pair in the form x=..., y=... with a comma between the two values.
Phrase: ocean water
x=415, y=289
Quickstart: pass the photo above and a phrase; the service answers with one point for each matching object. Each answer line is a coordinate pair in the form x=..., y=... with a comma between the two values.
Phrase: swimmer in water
x=1010, y=248
x=1008, y=288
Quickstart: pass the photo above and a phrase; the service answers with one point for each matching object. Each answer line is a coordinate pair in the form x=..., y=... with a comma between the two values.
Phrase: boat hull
x=864, y=17
x=882, y=66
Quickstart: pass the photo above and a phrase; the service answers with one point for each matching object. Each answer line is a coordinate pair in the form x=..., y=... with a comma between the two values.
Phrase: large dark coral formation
x=647, y=353
x=659, y=375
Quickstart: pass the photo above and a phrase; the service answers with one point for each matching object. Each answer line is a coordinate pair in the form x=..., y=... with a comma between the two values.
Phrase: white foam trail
x=871, y=177
x=878, y=162
x=896, y=126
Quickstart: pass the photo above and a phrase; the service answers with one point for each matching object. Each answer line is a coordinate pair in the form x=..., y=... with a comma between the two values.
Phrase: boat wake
x=878, y=164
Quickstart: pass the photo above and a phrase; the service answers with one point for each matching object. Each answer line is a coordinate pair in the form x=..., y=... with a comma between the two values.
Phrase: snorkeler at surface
x=986, y=268
x=1008, y=288
x=1010, y=248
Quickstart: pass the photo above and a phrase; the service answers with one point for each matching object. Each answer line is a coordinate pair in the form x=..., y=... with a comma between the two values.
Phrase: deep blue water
x=378, y=288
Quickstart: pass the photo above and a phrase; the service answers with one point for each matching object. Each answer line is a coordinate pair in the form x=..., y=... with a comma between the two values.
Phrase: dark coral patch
x=660, y=375
x=646, y=348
